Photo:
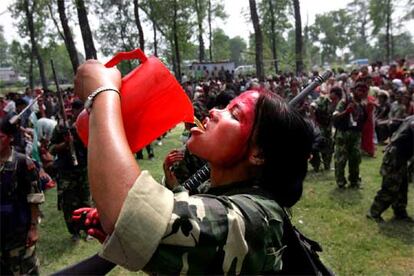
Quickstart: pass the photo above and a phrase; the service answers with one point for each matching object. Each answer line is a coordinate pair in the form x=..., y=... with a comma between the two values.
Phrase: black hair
x=20, y=102
x=223, y=99
x=338, y=91
x=6, y=127
x=285, y=141
x=77, y=104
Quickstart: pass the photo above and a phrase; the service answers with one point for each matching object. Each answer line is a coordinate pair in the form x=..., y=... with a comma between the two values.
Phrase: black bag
x=300, y=256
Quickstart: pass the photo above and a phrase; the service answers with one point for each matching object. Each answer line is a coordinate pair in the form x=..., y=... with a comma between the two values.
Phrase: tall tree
x=200, y=13
x=29, y=11
x=210, y=34
x=381, y=12
x=273, y=33
x=214, y=9
x=176, y=56
x=220, y=38
x=275, y=23
x=117, y=31
x=149, y=8
x=325, y=31
x=258, y=40
x=4, y=49
x=90, y=51
x=68, y=38
x=357, y=10
x=139, y=26
x=237, y=46
x=298, y=37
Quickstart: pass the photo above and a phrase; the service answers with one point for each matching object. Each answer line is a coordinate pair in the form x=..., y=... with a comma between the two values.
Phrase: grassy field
x=352, y=244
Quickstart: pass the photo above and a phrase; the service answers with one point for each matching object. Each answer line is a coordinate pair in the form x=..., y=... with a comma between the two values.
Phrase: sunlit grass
x=336, y=218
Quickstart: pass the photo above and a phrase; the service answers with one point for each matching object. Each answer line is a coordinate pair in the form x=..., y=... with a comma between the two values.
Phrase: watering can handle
x=134, y=54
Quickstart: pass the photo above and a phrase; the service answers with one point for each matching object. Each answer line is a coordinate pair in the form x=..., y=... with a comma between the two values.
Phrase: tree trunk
x=298, y=37
x=154, y=29
x=176, y=46
x=210, y=35
x=49, y=6
x=139, y=26
x=273, y=34
x=258, y=40
x=90, y=51
x=35, y=50
x=31, y=79
x=69, y=43
x=387, y=33
x=122, y=26
x=173, y=60
x=200, y=30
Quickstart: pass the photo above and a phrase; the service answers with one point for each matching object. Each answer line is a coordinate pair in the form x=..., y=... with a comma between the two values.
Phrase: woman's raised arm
x=112, y=169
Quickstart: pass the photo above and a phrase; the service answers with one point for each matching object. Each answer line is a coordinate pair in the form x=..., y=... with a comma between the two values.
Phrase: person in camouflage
x=20, y=198
x=235, y=228
x=394, y=173
x=186, y=165
x=72, y=180
x=349, y=118
x=398, y=112
x=324, y=108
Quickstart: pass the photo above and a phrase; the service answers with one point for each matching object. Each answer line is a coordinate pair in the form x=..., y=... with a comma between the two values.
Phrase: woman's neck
x=220, y=176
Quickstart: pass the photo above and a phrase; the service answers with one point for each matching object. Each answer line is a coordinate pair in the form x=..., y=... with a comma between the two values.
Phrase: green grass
x=335, y=218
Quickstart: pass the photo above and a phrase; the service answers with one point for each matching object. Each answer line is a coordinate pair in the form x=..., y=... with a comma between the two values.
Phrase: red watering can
x=152, y=101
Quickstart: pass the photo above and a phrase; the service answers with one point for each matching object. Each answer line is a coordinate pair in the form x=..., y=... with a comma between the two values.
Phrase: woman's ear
x=256, y=157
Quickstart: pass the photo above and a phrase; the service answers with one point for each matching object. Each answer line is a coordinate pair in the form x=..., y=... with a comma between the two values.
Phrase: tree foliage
x=4, y=50
x=275, y=22
x=237, y=46
x=333, y=31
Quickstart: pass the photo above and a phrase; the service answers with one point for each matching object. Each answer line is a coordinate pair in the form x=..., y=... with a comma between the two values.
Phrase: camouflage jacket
x=63, y=161
x=324, y=111
x=347, y=122
x=398, y=111
x=234, y=229
x=403, y=140
x=19, y=187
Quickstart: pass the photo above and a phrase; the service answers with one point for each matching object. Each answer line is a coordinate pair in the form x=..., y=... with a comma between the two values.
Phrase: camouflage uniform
x=73, y=188
x=348, y=144
x=394, y=172
x=19, y=188
x=323, y=116
x=398, y=113
x=230, y=230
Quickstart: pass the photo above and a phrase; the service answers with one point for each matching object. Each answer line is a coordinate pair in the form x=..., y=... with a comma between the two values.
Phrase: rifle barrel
x=64, y=117
x=305, y=92
x=14, y=119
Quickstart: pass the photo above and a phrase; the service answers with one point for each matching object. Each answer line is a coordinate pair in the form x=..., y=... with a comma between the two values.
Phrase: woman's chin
x=194, y=148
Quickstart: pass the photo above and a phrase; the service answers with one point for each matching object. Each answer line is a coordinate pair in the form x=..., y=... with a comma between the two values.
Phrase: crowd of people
x=348, y=114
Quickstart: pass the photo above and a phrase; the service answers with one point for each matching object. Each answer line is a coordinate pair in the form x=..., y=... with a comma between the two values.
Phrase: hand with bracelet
x=93, y=75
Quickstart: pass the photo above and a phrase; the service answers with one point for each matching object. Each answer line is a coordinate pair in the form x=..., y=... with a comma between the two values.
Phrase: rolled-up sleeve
x=141, y=224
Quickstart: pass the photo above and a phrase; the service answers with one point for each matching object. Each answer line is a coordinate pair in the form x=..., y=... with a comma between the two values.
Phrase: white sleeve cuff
x=141, y=224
